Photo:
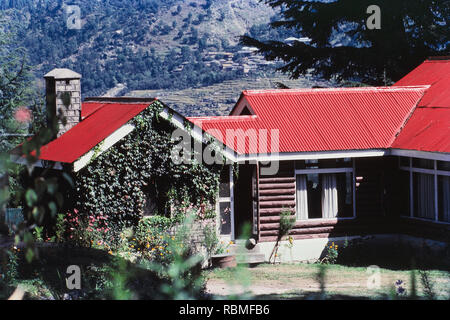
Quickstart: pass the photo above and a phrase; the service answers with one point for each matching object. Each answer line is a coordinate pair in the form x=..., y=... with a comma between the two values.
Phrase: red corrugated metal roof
x=89, y=108
x=306, y=120
x=321, y=119
x=435, y=73
x=428, y=129
x=103, y=120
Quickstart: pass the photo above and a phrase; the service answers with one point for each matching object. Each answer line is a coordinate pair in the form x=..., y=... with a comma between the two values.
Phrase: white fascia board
x=441, y=156
x=107, y=143
x=315, y=155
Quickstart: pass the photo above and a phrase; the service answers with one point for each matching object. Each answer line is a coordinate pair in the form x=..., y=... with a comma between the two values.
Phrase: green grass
x=299, y=281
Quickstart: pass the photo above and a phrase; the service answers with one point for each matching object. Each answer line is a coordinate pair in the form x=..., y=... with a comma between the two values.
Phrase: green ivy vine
x=138, y=169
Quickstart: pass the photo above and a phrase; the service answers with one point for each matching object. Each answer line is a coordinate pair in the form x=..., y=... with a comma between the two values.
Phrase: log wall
x=277, y=193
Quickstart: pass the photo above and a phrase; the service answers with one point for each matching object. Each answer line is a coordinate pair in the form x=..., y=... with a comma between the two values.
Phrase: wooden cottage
x=345, y=161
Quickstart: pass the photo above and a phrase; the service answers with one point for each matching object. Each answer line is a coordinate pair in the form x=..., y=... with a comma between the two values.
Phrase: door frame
x=230, y=200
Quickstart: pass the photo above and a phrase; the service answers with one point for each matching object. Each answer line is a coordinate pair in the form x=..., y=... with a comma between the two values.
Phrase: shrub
x=287, y=222
x=331, y=255
x=151, y=239
x=211, y=240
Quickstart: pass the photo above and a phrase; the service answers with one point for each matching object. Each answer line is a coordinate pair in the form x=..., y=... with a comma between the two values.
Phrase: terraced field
x=219, y=99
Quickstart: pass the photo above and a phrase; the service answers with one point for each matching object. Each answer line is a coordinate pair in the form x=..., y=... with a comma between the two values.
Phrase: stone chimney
x=63, y=95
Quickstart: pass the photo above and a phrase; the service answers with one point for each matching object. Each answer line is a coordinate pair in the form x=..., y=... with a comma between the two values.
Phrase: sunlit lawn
x=297, y=281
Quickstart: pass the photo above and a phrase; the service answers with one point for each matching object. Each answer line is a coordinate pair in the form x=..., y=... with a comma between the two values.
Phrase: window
x=443, y=165
x=429, y=188
x=423, y=194
x=423, y=163
x=324, y=193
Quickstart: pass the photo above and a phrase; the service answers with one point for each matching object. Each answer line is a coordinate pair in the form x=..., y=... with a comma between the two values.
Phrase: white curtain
x=329, y=196
x=302, y=198
x=425, y=196
x=445, y=198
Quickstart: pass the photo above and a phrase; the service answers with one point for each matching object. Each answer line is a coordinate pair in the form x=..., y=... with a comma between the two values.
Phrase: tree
x=344, y=45
x=15, y=93
x=22, y=113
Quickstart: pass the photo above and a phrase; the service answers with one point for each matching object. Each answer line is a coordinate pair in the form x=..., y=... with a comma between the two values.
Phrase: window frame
x=329, y=170
x=229, y=200
x=435, y=173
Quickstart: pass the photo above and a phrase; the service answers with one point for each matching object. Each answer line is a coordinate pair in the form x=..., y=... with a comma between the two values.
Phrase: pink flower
x=23, y=115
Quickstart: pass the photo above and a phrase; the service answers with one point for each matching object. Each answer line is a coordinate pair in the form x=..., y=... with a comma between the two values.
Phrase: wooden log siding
x=276, y=194
x=311, y=229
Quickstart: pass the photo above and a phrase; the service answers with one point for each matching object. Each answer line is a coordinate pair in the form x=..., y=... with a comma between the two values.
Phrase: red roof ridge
x=332, y=90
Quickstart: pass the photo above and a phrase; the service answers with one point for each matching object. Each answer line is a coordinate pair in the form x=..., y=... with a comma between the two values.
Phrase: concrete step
x=245, y=255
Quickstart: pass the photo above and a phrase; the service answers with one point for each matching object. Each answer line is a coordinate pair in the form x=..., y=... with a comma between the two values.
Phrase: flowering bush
x=331, y=255
x=223, y=247
x=152, y=238
x=87, y=231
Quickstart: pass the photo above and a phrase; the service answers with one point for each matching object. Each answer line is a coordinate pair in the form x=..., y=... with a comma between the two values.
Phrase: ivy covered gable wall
x=137, y=175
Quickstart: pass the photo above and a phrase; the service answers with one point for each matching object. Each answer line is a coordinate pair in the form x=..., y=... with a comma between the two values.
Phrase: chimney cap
x=63, y=74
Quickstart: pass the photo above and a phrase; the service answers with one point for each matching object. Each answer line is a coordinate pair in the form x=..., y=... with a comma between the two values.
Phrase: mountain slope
x=140, y=44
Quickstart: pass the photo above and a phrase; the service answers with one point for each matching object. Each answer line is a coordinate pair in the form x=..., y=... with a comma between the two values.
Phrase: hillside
x=124, y=46
x=219, y=99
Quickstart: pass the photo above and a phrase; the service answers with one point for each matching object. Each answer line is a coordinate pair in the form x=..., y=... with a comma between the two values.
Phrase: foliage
x=138, y=170
x=60, y=228
x=89, y=231
x=38, y=231
x=427, y=284
x=11, y=272
x=40, y=194
x=223, y=247
x=341, y=44
x=185, y=279
x=21, y=110
x=211, y=240
x=111, y=26
x=287, y=222
x=15, y=90
x=151, y=239
x=331, y=255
